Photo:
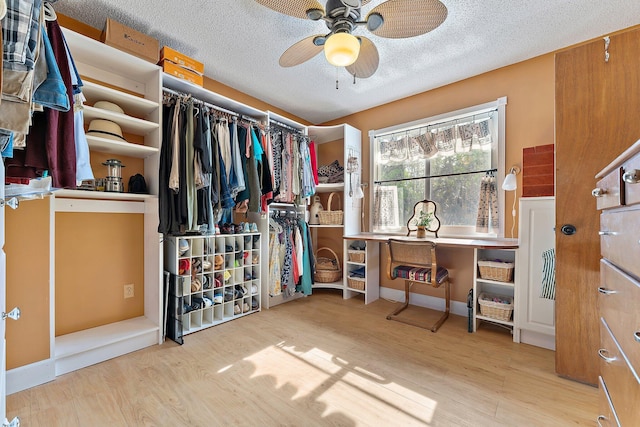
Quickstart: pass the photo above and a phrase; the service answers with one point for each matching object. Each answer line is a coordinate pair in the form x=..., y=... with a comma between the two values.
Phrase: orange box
x=166, y=53
x=182, y=73
x=129, y=40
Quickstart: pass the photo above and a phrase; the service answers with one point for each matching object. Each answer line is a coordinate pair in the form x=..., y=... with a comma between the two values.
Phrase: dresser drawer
x=619, y=303
x=606, y=415
x=622, y=384
x=631, y=178
x=607, y=191
x=620, y=238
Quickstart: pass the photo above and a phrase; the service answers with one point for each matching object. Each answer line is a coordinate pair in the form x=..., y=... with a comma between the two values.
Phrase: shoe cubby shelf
x=214, y=279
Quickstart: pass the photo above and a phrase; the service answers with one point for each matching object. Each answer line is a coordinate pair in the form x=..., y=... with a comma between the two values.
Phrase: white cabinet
x=495, y=300
x=358, y=261
x=213, y=279
x=536, y=314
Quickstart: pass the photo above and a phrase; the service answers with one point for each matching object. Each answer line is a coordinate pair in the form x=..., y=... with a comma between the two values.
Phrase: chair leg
x=436, y=326
x=406, y=301
x=445, y=315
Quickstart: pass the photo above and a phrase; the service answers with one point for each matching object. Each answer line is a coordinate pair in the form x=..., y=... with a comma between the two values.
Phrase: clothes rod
x=215, y=107
x=434, y=176
x=280, y=124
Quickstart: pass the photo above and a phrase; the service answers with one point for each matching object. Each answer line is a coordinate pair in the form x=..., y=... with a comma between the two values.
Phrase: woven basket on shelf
x=356, y=283
x=356, y=256
x=496, y=270
x=327, y=269
x=329, y=217
x=495, y=309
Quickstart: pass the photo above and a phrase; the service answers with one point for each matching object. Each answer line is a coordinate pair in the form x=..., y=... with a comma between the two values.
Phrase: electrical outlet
x=128, y=290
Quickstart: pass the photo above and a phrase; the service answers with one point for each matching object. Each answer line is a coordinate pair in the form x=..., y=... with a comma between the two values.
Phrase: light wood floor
x=318, y=361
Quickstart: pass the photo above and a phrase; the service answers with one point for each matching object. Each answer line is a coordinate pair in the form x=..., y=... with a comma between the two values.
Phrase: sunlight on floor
x=341, y=385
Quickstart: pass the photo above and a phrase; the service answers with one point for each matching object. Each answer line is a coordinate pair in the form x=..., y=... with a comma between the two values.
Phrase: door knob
x=13, y=314
x=568, y=229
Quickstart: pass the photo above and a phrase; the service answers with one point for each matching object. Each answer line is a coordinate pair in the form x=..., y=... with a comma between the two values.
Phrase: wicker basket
x=329, y=217
x=356, y=256
x=356, y=283
x=496, y=270
x=327, y=269
x=495, y=309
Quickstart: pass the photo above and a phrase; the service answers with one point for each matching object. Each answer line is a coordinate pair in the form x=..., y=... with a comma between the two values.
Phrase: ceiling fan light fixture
x=341, y=49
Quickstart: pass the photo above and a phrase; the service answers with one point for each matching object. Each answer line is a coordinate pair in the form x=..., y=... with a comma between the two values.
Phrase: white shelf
x=132, y=104
x=111, y=146
x=331, y=285
x=491, y=319
x=328, y=188
x=362, y=264
x=127, y=123
x=496, y=282
x=326, y=225
x=101, y=195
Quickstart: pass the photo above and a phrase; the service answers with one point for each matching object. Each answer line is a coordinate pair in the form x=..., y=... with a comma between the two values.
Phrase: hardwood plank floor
x=319, y=361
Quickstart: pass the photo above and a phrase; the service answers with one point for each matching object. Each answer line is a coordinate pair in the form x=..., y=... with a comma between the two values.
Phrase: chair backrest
x=412, y=253
x=429, y=208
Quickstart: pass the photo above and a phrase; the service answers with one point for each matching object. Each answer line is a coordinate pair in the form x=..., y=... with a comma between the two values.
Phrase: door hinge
x=607, y=42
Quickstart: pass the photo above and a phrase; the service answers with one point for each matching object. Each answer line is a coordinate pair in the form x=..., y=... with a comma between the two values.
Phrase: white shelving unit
x=104, y=68
x=496, y=288
x=237, y=282
x=369, y=286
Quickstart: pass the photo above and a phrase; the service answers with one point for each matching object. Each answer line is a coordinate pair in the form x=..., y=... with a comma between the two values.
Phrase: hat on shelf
x=109, y=106
x=106, y=129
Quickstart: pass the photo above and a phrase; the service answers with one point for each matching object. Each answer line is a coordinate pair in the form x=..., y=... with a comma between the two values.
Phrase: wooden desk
x=505, y=249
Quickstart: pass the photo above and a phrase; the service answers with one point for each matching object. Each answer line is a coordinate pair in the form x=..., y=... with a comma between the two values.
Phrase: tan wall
x=96, y=255
x=529, y=88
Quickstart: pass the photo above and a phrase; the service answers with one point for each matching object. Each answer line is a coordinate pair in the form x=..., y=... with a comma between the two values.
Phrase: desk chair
x=415, y=262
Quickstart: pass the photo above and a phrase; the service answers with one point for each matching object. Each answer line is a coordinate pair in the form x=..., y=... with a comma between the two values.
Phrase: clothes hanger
x=49, y=13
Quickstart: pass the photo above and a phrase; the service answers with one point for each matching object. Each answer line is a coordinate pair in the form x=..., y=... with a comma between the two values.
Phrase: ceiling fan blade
x=408, y=18
x=367, y=62
x=296, y=9
x=300, y=52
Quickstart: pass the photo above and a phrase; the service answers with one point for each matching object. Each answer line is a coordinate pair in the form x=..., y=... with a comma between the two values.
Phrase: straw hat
x=109, y=106
x=106, y=129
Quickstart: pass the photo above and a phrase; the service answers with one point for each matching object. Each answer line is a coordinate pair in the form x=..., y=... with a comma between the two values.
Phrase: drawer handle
x=598, y=192
x=605, y=291
x=601, y=418
x=636, y=335
x=631, y=177
x=608, y=233
x=603, y=355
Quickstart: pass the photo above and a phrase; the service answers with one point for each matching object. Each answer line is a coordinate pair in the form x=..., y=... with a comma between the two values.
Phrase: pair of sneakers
x=238, y=310
x=249, y=227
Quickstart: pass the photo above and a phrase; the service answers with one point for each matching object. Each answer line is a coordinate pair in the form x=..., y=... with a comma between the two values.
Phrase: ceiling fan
x=390, y=19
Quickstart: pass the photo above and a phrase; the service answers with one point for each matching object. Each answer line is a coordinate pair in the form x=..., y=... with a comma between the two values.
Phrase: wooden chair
x=426, y=206
x=415, y=262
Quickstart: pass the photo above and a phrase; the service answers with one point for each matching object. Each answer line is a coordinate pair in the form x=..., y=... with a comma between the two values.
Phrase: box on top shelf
x=169, y=54
x=129, y=40
x=182, y=73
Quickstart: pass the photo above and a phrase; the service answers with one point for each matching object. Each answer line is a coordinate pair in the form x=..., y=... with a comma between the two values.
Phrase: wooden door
x=597, y=107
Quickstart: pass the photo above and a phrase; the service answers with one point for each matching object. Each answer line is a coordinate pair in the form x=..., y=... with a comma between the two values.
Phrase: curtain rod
x=435, y=176
x=431, y=125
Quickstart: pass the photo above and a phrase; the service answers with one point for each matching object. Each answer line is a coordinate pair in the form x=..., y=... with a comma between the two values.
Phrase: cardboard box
x=182, y=73
x=129, y=40
x=181, y=59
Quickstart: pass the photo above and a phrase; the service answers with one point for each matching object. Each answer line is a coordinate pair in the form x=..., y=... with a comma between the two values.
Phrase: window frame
x=498, y=105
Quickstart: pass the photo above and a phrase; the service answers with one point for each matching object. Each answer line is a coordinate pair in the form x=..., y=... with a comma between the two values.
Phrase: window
x=444, y=159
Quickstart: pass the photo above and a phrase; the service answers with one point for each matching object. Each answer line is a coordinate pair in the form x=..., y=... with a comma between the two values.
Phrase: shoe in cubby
x=255, y=304
x=245, y=307
x=236, y=308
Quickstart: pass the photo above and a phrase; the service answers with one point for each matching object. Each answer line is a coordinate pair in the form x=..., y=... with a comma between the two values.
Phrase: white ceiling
x=240, y=42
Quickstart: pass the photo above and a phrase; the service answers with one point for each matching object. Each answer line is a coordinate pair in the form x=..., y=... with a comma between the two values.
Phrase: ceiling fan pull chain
x=337, y=79
x=354, y=79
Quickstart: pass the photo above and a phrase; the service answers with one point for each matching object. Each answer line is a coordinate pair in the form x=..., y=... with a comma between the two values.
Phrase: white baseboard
x=538, y=339
x=434, y=303
x=28, y=376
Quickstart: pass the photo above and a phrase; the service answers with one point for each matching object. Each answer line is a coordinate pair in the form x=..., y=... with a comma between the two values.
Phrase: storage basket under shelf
x=356, y=283
x=496, y=270
x=498, y=310
x=356, y=256
x=327, y=269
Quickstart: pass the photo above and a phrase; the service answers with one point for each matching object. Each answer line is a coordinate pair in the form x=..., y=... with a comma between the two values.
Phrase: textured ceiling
x=240, y=43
